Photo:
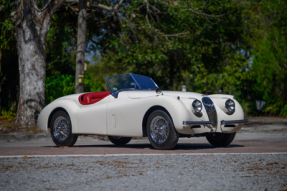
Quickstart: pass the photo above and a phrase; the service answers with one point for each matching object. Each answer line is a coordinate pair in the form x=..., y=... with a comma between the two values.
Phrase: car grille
x=210, y=110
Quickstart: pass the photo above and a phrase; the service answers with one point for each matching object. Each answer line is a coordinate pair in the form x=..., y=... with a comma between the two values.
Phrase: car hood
x=182, y=95
x=143, y=94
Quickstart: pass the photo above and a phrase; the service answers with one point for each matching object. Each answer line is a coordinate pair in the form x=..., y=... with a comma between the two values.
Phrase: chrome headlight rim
x=230, y=106
x=197, y=106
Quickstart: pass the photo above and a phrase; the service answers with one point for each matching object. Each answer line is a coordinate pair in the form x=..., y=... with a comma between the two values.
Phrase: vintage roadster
x=136, y=107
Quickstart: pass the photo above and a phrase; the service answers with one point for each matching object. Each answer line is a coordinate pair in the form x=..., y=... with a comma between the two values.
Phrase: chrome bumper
x=223, y=122
x=197, y=122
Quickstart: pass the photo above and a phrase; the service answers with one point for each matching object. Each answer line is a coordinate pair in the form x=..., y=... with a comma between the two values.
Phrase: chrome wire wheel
x=61, y=128
x=159, y=129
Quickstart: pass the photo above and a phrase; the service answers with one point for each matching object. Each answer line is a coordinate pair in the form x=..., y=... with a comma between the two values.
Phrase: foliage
x=243, y=52
x=59, y=86
x=61, y=44
x=6, y=27
x=271, y=56
x=283, y=112
x=65, y=84
x=164, y=39
x=9, y=80
x=268, y=36
x=10, y=114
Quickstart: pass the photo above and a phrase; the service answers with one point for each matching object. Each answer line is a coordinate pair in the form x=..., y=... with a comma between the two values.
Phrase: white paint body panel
x=124, y=115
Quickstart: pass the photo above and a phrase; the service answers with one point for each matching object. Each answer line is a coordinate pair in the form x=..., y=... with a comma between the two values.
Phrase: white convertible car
x=136, y=107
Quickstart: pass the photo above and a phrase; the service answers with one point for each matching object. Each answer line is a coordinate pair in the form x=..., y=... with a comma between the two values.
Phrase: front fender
x=180, y=110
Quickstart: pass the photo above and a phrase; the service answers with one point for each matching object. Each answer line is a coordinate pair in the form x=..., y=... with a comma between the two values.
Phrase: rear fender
x=69, y=106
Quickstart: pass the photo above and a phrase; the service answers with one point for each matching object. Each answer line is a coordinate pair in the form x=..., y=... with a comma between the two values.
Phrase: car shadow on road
x=179, y=146
x=196, y=146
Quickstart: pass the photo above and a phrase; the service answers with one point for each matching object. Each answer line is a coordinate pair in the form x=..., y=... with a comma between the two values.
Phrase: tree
x=265, y=33
x=31, y=26
x=165, y=39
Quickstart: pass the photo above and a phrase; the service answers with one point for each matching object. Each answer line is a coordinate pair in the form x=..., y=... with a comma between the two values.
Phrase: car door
x=91, y=119
x=125, y=115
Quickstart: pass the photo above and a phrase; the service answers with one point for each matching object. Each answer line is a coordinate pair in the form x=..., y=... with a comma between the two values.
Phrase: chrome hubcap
x=159, y=129
x=61, y=128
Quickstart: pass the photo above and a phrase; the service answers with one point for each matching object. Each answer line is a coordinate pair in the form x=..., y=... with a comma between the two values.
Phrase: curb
x=23, y=137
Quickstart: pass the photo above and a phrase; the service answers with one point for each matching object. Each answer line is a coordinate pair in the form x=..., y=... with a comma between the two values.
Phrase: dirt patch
x=9, y=126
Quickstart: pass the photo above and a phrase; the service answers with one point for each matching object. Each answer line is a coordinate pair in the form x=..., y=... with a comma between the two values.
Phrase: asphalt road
x=243, y=143
x=146, y=172
x=256, y=160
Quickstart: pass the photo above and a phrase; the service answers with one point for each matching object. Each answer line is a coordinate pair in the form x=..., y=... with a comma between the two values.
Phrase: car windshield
x=130, y=82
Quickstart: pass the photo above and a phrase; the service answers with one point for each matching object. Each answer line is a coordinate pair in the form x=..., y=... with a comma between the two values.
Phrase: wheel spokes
x=61, y=128
x=159, y=129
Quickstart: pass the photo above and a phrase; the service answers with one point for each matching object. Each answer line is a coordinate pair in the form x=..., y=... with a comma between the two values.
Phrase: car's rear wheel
x=160, y=130
x=61, y=130
x=220, y=139
x=119, y=140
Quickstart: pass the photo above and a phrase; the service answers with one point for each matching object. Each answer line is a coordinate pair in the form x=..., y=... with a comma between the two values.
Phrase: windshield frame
x=115, y=93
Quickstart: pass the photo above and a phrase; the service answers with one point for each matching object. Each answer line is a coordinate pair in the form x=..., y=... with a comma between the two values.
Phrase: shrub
x=283, y=112
x=65, y=85
x=8, y=114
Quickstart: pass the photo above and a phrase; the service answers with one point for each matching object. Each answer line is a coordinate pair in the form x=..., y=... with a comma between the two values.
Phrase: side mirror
x=158, y=91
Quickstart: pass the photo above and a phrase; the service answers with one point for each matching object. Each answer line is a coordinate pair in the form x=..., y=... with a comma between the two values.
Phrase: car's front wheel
x=220, y=139
x=160, y=130
x=61, y=130
x=119, y=140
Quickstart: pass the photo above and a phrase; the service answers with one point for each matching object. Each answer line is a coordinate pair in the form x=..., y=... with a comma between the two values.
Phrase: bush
x=8, y=115
x=58, y=87
x=65, y=85
x=283, y=112
x=274, y=109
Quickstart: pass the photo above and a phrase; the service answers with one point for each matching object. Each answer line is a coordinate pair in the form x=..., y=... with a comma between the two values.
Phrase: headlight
x=230, y=106
x=197, y=106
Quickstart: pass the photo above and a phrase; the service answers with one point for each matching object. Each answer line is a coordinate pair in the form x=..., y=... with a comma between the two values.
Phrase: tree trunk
x=31, y=26
x=1, y=77
x=32, y=70
x=81, y=40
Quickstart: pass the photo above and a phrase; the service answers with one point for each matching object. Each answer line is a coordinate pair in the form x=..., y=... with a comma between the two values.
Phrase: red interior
x=90, y=98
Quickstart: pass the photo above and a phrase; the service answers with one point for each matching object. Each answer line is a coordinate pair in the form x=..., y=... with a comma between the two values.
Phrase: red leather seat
x=90, y=98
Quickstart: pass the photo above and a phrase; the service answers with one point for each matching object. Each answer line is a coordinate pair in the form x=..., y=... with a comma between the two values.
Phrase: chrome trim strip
x=223, y=122
x=197, y=122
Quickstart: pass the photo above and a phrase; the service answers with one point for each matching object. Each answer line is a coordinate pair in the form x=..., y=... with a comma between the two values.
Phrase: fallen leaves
x=63, y=147
x=268, y=164
x=26, y=157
